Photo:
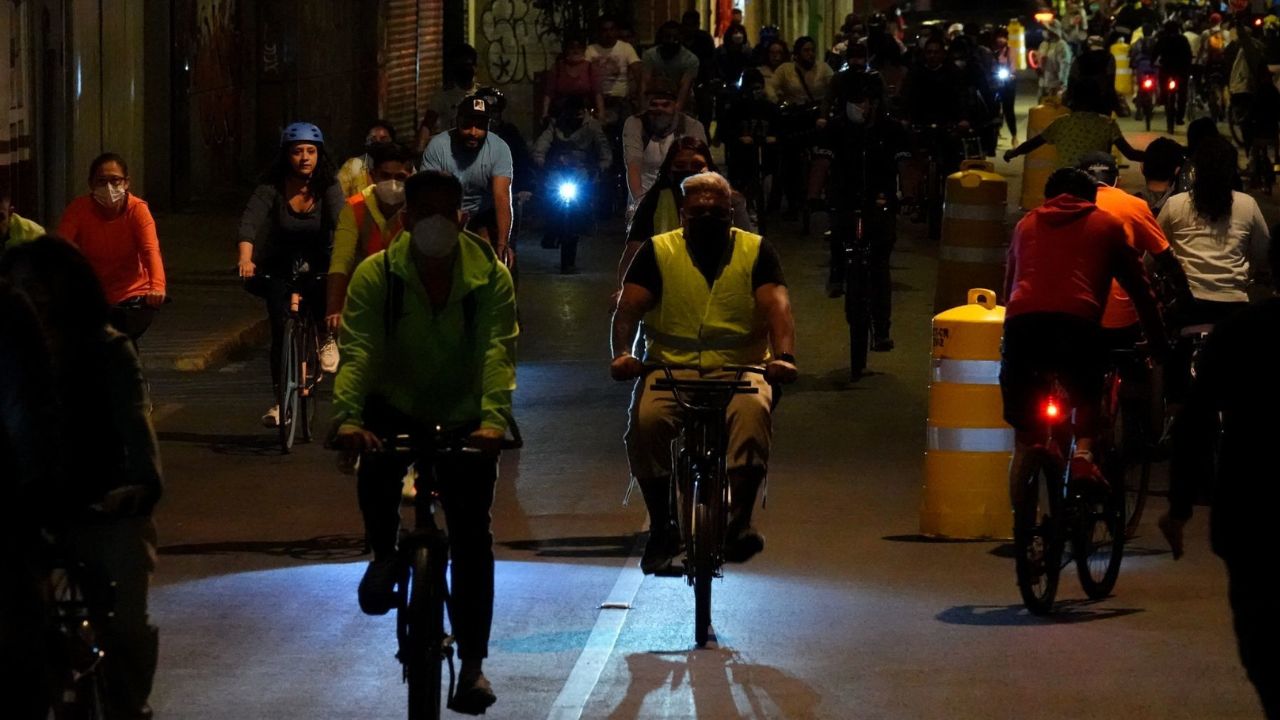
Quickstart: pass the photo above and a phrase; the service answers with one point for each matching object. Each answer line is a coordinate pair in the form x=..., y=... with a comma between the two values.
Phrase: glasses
x=115, y=181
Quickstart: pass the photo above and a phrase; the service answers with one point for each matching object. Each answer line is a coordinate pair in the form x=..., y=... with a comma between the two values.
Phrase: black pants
x=1180, y=97
x=880, y=227
x=131, y=322
x=1008, y=94
x=1257, y=627
x=466, y=484
x=276, y=293
x=789, y=178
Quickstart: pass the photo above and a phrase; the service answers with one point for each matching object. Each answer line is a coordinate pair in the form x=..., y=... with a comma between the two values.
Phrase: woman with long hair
x=287, y=228
x=573, y=75
x=659, y=209
x=104, y=491
x=115, y=231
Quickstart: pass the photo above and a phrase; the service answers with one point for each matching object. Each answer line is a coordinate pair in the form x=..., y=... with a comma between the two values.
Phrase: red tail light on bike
x=1052, y=410
x=1148, y=84
x=1173, y=84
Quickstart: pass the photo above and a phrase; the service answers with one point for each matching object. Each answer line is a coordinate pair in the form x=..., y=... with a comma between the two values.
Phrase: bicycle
x=80, y=605
x=944, y=147
x=701, y=485
x=857, y=292
x=1050, y=512
x=1127, y=413
x=300, y=372
x=422, y=591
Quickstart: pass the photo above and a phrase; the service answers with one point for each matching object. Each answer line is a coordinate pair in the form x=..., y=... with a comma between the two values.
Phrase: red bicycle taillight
x=1148, y=84
x=1052, y=410
x=1173, y=84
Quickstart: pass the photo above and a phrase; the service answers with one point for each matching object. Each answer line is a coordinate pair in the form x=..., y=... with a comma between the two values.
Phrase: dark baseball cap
x=476, y=106
x=1102, y=166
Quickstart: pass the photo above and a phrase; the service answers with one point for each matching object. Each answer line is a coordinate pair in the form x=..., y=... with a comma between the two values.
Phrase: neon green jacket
x=21, y=230
x=430, y=365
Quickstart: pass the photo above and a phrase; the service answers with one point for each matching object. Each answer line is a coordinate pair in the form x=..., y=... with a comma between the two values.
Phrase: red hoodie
x=1063, y=257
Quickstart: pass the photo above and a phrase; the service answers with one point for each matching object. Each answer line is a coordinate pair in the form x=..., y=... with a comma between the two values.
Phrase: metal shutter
x=414, y=32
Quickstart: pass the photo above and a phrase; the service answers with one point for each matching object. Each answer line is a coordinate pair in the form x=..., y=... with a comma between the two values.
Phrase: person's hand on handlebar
x=486, y=439
x=247, y=268
x=154, y=299
x=333, y=322
x=781, y=372
x=626, y=367
x=356, y=439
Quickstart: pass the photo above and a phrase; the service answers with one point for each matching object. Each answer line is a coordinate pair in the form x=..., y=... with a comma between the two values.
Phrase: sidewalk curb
x=254, y=333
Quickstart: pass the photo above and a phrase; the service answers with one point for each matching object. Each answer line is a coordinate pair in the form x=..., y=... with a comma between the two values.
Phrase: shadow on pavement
x=1065, y=612
x=258, y=444
x=918, y=538
x=720, y=682
x=322, y=548
x=588, y=546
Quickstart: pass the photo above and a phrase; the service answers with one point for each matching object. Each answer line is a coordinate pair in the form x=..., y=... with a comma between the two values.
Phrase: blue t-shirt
x=475, y=169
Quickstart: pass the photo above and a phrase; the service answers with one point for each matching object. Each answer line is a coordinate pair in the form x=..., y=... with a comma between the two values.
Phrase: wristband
x=786, y=357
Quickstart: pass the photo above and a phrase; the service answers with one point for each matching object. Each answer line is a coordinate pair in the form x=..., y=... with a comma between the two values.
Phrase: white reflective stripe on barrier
x=991, y=440
x=967, y=372
x=987, y=255
x=969, y=211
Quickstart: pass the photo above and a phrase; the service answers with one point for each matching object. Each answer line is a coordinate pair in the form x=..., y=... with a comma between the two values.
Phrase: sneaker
x=271, y=418
x=660, y=553
x=473, y=695
x=377, y=592
x=329, y=355
x=882, y=344
x=1087, y=478
x=743, y=546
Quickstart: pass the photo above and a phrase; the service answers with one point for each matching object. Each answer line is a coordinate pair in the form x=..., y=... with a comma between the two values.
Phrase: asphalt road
x=847, y=614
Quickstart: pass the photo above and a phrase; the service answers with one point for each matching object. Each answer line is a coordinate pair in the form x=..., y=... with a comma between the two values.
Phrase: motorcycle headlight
x=567, y=191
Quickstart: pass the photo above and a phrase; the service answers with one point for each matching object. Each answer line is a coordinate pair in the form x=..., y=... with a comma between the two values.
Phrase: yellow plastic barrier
x=969, y=446
x=1017, y=44
x=973, y=247
x=1039, y=165
x=1124, y=73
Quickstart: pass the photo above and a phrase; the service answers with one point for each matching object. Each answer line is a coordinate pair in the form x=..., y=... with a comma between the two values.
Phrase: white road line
x=599, y=646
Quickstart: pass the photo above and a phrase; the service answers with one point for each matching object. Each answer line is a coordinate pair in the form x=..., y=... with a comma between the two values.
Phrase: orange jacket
x=1143, y=234
x=124, y=251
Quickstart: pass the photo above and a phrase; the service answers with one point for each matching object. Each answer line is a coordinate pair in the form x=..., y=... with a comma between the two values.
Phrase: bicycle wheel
x=1037, y=535
x=1133, y=464
x=705, y=557
x=1098, y=545
x=309, y=377
x=425, y=636
x=857, y=312
x=288, y=392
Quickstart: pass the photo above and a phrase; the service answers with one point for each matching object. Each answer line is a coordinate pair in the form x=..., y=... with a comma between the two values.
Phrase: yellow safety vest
x=707, y=327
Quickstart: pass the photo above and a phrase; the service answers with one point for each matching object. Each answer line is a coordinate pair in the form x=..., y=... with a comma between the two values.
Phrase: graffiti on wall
x=515, y=40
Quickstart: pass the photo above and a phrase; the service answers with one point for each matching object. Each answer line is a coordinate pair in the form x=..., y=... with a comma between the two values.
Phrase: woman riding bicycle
x=294, y=213
x=115, y=231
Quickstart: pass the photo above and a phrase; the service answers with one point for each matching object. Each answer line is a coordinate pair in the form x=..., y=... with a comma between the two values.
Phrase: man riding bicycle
x=710, y=295
x=482, y=162
x=428, y=335
x=1062, y=259
x=866, y=146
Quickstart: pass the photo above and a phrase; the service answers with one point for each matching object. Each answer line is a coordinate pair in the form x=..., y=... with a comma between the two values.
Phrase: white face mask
x=853, y=111
x=435, y=236
x=108, y=196
x=390, y=192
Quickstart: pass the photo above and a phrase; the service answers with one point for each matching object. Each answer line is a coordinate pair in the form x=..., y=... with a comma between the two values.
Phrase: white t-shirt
x=1217, y=256
x=612, y=65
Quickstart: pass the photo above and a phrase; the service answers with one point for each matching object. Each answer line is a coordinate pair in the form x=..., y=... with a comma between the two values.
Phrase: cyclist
x=1087, y=128
x=445, y=300
x=866, y=145
x=710, y=295
x=616, y=63
x=1006, y=81
x=354, y=174
x=15, y=229
x=1162, y=171
x=1236, y=380
x=482, y=163
x=368, y=223
x=115, y=231
x=669, y=63
x=575, y=133
x=799, y=86
x=647, y=136
x=460, y=83
x=287, y=228
x=1172, y=54
x=572, y=75
x=1062, y=260
x=110, y=483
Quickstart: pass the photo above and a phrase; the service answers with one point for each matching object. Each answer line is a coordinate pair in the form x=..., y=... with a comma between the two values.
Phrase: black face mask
x=709, y=229
x=669, y=50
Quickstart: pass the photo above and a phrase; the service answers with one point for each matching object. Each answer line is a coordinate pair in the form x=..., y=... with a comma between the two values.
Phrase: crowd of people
x=842, y=129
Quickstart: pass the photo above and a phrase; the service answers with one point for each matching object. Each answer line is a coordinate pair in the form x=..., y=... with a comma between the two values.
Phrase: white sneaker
x=329, y=355
x=271, y=418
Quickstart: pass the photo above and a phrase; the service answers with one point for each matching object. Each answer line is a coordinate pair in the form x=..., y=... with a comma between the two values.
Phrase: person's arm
x=635, y=301
x=363, y=342
x=773, y=85
x=604, y=153
x=69, y=225
x=597, y=90
x=148, y=244
x=543, y=145
x=1126, y=265
x=1029, y=145
x=628, y=254
x=775, y=304
x=131, y=416
x=633, y=155
x=1128, y=150
x=497, y=329
x=502, y=208
x=1259, y=243
x=255, y=216
x=342, y=262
